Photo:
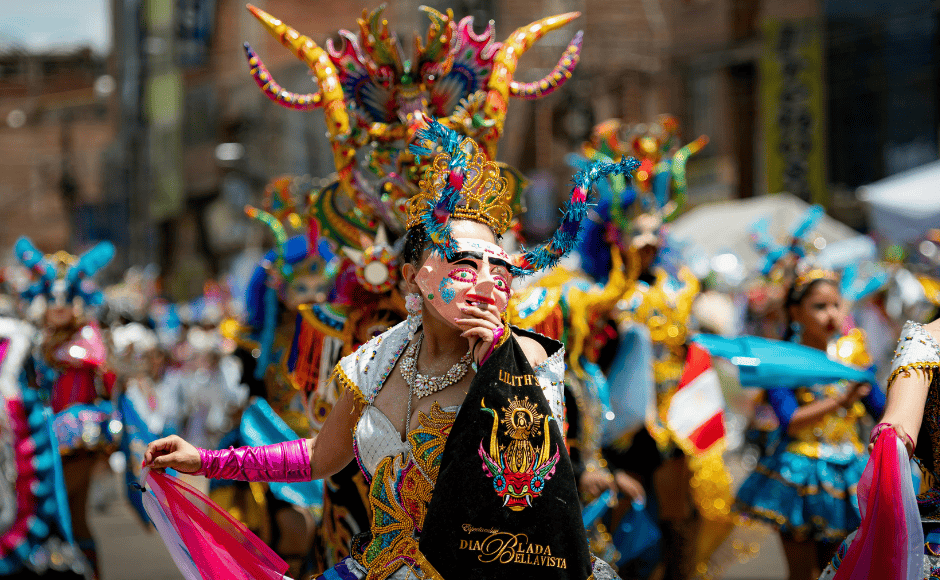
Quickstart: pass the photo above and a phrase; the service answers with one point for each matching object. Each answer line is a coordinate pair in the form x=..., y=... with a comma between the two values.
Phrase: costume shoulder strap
x=364, y=371
x=550, y=373
x=917, y=350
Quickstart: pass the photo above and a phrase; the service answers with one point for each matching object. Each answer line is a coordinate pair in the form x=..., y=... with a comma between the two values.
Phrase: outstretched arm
x=300, y=460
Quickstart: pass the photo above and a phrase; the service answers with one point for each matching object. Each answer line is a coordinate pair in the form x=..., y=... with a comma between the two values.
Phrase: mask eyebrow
x=500, y=262
x=465, y=255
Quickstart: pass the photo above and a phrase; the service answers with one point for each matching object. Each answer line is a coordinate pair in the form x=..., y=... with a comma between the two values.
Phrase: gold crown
x=485, y=196
x=812, y=275
x=62, y=261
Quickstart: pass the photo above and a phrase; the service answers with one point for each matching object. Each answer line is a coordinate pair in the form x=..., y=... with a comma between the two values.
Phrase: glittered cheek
x=446, y=290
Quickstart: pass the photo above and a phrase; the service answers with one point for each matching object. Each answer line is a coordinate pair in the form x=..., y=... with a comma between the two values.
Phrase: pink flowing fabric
x=889, y=545
x=205, y=541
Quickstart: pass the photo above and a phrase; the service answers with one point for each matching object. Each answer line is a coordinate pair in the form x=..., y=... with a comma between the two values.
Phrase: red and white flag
x=696, y=409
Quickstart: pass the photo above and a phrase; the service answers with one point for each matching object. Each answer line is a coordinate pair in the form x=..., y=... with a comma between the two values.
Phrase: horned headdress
x=462, y=184
x=62, y=277
x=372, y=95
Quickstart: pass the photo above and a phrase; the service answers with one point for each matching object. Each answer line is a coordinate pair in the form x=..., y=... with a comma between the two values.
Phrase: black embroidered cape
x=506, y=504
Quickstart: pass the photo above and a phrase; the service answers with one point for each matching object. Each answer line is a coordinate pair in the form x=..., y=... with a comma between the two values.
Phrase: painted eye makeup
x=463, y=275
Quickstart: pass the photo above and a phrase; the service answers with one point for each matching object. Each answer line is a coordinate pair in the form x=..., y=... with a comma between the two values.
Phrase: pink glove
x=287, y=462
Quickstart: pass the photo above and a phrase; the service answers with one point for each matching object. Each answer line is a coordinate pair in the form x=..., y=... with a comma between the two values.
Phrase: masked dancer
x=476, y=453
x=72, y=369
x=373, y=97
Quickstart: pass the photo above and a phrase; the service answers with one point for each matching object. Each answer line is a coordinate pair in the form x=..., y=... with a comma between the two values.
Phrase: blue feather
x=661, y=181
x=89, y=264
x=812, y=217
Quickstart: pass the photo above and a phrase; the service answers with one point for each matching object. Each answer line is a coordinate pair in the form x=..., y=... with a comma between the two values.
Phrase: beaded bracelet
x=881, y=427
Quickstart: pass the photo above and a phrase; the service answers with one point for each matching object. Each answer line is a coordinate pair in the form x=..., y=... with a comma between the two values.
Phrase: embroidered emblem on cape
x=519, y=470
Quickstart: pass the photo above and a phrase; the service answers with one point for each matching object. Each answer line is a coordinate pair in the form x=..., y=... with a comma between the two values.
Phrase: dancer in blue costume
x=72, y=368
x=806, y=486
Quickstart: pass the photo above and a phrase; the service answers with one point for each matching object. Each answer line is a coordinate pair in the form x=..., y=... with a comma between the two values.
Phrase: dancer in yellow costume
x=659, y=299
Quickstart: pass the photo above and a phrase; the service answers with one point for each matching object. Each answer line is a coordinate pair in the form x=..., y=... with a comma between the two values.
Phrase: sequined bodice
x=376, y=438
x=833, y=436
x=402, y=475
x=664, y=307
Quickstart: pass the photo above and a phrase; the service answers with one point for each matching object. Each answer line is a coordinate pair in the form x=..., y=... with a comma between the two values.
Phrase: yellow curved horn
x=331, y=90
x=543, y=453
x=494, y=443
x=504, y=67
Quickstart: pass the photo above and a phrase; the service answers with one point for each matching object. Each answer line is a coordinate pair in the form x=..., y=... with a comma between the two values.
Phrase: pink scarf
x=205, y=541
x=889, y=545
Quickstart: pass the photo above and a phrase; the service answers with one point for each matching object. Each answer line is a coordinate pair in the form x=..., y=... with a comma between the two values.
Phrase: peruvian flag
x=696, y=409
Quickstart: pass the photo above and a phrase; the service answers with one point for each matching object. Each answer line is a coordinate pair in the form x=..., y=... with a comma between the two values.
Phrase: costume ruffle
x=86, y=427
x=803, y=496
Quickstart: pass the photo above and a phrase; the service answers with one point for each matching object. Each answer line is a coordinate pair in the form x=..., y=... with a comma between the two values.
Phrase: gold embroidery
x=401, y=490
x=799, y=532
x=805, y=490
x=505, y=548
x=517, y=380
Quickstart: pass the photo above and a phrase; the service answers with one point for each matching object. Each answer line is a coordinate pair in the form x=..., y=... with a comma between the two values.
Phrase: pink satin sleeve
x=288, y=461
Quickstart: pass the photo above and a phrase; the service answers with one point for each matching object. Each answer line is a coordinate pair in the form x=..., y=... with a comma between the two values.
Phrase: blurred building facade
x=55, y=124
x=806, y=96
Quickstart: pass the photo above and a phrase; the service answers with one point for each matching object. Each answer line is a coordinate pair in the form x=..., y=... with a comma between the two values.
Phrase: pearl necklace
x=422, y=385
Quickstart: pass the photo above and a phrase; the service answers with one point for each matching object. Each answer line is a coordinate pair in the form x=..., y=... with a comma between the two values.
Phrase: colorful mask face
x=646, y=231
x=478, y=274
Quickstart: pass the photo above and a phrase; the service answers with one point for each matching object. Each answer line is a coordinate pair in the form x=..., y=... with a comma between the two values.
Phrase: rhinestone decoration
x=422, y=385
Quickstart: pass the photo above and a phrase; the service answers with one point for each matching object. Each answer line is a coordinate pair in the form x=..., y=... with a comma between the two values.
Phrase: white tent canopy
x=724, y=227
x=904, y=206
